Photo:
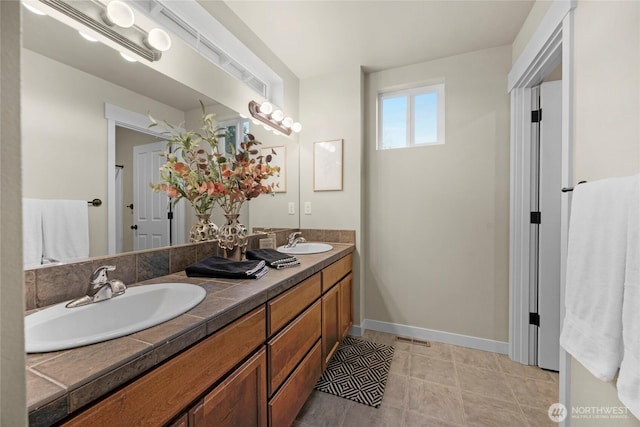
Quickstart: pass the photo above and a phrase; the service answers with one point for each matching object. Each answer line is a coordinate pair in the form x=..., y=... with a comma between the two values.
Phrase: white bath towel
x=596, y=259
x=31, y=232
x=629, y=376
x=65, y=225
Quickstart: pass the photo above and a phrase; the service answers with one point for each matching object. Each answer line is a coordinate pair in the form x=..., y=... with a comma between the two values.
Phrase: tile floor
x=444, y=385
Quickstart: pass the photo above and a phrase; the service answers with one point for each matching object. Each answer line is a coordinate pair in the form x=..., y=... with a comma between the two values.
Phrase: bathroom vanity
x=249, y=354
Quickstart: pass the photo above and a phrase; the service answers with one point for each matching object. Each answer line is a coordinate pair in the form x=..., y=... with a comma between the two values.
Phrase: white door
x=550, y=165
x=151, y=224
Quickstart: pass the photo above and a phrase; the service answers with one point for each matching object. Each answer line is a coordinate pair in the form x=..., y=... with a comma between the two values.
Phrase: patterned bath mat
x=358, y=371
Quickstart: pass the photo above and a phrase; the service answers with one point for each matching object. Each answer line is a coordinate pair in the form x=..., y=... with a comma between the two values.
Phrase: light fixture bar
x=77, y=15
x=254, y=109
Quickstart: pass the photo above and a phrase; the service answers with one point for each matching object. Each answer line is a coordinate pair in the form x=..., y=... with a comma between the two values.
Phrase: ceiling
x=318, y=37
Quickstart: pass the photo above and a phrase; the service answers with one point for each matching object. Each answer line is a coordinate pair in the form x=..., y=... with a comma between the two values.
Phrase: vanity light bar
x=266, y=114
x=101, y=28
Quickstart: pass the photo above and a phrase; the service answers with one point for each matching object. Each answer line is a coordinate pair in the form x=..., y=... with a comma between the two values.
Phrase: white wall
x=437, y=217
x=607, y=133
x=64, y=135
x=331, y=108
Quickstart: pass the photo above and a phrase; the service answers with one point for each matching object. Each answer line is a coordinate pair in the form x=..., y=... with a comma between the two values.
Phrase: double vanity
x=249, y=354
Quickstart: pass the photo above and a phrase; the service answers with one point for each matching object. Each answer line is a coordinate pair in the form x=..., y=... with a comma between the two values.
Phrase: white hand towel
x=65, y=225
x=596, y=258
x=31, y=232
x=629, y=376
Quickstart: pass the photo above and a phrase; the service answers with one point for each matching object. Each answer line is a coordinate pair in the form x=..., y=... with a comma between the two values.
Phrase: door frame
x=118, y=116
x=550, y=45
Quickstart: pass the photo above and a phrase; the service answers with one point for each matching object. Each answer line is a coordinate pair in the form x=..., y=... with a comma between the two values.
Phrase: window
x=236, y=134
x=411, y=117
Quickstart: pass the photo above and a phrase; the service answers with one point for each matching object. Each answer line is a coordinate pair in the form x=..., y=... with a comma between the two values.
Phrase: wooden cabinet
x=286, y=404
x=285, y=307
x=288, y=348
x=346, y=299
x=336, y=271
x=257, y=371
x=330, y=324
x=240, y=400
x=162, y=394
x=337, y=288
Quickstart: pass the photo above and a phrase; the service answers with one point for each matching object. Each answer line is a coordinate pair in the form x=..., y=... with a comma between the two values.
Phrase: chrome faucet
x=100, y=288
x=295, y=238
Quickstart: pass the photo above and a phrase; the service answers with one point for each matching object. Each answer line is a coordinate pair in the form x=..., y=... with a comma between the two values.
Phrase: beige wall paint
x=537, y=12
x=607, y=133
x=12, y=374
x=437, y=217
x=331, y=108
x=64, y=135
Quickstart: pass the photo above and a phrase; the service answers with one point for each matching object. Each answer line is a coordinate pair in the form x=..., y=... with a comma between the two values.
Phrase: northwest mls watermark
x=558, y=412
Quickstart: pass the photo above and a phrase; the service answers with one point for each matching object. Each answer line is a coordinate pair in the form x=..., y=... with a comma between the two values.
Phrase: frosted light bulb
x=287, y=122
x=277, y=115
x=266, y=108
x=119, y=13
x=296, y=127
x=158, y=39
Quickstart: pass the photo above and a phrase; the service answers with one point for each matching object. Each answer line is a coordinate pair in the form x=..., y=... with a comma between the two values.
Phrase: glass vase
x=204, y=230
x=232, y=238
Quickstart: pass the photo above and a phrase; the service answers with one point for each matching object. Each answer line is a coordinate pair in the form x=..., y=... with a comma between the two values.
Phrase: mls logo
x=557, y=412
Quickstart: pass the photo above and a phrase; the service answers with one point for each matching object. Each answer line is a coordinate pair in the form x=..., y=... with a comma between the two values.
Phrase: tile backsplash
x=52, y=284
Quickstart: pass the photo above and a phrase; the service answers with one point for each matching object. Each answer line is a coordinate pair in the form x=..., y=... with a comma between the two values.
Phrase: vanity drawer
x=160, y=395
x=336, y=271
x=287, y=348
x=285, y=307
x=286, y=404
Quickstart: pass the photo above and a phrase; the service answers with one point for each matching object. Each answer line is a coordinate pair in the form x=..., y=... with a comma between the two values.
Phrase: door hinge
x=169, y=215
x=536, y=116
x=534, y=319
x=536, y=217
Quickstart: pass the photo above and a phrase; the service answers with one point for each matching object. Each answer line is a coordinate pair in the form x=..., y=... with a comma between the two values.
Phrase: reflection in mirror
x=67, y=82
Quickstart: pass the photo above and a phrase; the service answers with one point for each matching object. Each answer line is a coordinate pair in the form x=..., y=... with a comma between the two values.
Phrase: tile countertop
x=59, y=383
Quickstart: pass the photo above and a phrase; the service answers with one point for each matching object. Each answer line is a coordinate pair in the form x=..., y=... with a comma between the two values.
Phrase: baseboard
x=430, y=334
x=356, y=331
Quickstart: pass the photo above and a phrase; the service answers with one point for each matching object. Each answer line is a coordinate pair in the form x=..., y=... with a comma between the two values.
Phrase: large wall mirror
x=68, y=84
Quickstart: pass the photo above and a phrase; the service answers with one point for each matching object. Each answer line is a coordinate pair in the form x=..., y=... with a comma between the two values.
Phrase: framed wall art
x=327, y=165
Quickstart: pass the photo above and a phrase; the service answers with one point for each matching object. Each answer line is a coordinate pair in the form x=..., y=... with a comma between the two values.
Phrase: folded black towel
x=224, y=268
x=273, y=258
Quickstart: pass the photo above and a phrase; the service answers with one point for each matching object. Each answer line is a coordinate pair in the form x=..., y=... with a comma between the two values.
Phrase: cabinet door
x=241, y=399
x=346, y=320
x=330, y=324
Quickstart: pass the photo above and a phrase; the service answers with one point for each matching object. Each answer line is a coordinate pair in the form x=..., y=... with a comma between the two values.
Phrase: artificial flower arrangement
x=198, y=172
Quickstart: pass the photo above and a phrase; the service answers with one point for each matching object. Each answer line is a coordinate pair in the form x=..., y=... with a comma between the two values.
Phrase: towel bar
x=567, y=189
x=95, y=202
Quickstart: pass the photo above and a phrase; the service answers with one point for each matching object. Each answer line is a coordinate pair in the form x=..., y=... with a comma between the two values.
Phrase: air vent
x=415, y=341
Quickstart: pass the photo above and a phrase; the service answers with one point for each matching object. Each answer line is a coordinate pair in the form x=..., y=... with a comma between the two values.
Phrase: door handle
x=134, y=227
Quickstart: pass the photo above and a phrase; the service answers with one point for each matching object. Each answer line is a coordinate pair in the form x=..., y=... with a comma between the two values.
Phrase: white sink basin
x=59, y=327
x=306, y=248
